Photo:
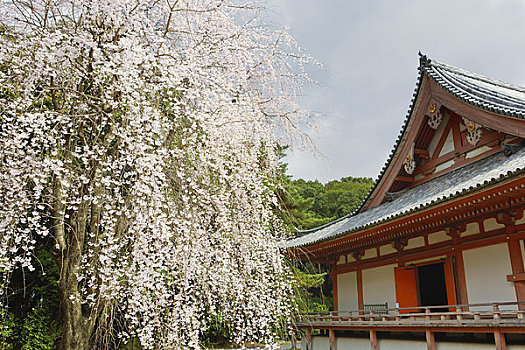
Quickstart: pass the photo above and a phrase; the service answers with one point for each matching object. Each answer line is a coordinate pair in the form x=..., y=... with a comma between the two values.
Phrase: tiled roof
x=482, y=92
x=479, y=91
x=455, y=183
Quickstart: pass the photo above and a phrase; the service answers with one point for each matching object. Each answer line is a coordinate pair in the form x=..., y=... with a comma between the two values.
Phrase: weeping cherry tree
x=140, y=135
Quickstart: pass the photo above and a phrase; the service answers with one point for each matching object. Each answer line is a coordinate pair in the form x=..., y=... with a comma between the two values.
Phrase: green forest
x=306, y=204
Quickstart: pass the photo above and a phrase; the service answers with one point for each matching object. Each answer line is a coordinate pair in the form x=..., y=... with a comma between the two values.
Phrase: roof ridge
x=474, y=75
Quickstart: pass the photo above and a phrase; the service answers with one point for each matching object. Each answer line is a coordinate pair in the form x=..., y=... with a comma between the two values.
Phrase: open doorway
x=432, y=286
x=425, y=284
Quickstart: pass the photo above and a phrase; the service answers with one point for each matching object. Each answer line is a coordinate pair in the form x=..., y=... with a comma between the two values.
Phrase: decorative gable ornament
x=474, y=131
x=434, y=115
x=410, y=163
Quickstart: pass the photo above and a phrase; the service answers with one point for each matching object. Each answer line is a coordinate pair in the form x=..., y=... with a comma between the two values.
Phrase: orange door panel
x=406, y=289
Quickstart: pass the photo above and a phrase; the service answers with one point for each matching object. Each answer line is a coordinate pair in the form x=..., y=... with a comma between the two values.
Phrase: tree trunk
x=76, y=330
x=77, y=322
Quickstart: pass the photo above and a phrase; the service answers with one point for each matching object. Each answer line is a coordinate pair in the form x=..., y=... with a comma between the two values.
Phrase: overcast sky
x=369, y=51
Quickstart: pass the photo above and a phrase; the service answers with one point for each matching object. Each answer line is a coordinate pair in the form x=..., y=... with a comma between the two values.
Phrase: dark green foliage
x=39, y=331
x=217, y=334
x=309, y=204
x=337, y=197
x=309, y=286
x=32, y=318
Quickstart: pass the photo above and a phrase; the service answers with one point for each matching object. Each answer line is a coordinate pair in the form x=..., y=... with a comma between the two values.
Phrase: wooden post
x=495, y=311
x=360, y=303
x=516, y=262
x=334, y=288
x=499, y=339
x=331, y=338
x=461, y=280
x=309, y=339
x=431, y=341
x=373, y=340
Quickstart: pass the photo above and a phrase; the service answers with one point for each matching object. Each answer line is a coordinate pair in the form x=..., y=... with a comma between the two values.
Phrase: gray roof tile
x=455, y=183
x=477, y=90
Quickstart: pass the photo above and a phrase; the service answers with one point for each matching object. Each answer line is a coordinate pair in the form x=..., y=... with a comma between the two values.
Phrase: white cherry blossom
x=141, y=135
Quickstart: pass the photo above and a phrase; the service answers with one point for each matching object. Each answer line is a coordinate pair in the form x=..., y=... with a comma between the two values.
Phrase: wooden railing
x=497, y=312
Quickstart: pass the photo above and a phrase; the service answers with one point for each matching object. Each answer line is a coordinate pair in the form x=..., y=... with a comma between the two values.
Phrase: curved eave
x=443, y=199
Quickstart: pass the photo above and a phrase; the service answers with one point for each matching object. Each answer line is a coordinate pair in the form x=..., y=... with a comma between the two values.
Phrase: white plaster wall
x=415, y=242
x=522, y=245
x=386, y=249
x=477, y=151
x=347, y=291
x=369, y=253
x=486, y=271
x=448, y=146
x=378, y=285
x=341, y=260
x=444, y=165
x=471, y=229
x=438, y=237
x=492, y=224
x=398, y=344
x=352, y=343
x=464, y=346
x=320, y=343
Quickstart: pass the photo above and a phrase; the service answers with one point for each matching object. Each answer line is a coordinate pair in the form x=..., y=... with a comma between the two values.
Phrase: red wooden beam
x=422, y=152
x=331, y=339
x=431, y=342
x=359, y=277
x=408, y=179
x=373, y=340
x=499, y=339
x=461, y=278
x=516, y=262
x=334, y=284
x=516, y=277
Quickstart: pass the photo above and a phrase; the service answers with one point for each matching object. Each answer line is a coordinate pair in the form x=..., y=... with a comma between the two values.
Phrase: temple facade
x=434, y=256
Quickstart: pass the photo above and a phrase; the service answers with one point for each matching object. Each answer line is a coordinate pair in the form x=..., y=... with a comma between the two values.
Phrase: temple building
x=434, y=256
